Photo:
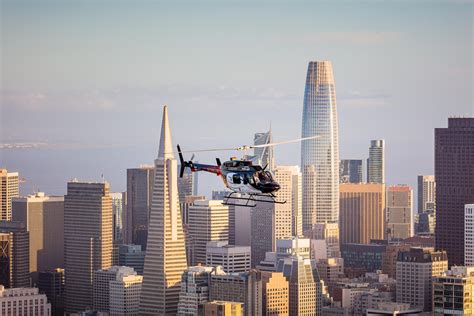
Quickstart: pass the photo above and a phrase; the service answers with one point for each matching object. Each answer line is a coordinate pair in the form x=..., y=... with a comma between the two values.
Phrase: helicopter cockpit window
x=265, y=176
x=236, y=179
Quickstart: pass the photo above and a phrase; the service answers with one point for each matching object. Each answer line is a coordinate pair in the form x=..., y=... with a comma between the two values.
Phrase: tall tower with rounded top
x=320, y=156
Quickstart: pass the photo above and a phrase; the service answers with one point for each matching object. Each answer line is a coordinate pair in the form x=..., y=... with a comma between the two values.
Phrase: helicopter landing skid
x=252, y=198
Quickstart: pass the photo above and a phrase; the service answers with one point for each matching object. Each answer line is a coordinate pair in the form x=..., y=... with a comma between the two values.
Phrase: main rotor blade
x=285, y=142
x=247, y=147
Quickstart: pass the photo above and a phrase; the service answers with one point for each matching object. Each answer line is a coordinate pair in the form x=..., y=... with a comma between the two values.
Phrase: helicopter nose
x=275, y=186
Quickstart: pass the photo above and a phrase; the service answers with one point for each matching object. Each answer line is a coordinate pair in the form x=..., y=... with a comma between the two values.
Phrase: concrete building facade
x=87, y=240
x=362, y=212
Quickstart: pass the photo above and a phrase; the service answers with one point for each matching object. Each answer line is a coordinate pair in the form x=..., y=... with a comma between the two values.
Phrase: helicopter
x=246, y=181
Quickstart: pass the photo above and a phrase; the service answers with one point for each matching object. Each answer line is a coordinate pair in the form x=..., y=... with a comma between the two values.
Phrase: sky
x=89, y=78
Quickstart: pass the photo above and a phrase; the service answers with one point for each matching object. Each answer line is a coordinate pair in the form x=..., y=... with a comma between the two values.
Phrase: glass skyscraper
x=320, y=156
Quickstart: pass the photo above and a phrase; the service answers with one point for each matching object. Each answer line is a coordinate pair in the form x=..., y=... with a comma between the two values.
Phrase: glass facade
x=320, y=157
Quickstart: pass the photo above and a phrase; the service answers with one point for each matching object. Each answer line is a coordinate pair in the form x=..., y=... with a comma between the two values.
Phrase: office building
x=391, y=308
x=186, y=185
x=302, y=286
x=367, y=257
x=320, y=156
x=208, y=221
x=188, y=201
x=232, y=259
x=415, y=271
x=118, y=206
x=275, y=296
x=376, y=162
x=139, y=195
x=286, y=248
x=194, y=290
x=124, y=294
x=454, y=173
x=330, y=270
x=362, y=212
x=452, y=292
x=426, y=223
x=51, y=283
x=399, y=212
x=350, y=171
x=469, y=234
x=87, y=240
x=44, y=219
x=390, y=256
x=264, y=156
x=325, y=238
x=290, y=180
x=132, y=256
x=426, y=194
x=222, y=308
x=165, y=259
x=14, y=255
x=243, y=288
x=23, y=301
x=9, y=188
x=101, y=285
x=271, y=222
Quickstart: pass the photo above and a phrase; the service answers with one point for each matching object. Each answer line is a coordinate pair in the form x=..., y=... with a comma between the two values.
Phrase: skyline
x=90, y=82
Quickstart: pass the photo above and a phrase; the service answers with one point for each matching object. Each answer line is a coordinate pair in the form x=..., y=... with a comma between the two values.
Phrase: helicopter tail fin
x=218, y=162
x=182, y=162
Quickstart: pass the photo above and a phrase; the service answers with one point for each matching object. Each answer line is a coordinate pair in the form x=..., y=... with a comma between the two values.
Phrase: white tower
x=165, y=259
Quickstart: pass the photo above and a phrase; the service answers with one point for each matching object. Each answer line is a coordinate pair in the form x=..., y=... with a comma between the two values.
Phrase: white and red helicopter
x=248, y=182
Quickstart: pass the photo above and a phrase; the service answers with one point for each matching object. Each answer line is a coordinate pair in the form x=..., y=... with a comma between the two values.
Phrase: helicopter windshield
x=265, y=176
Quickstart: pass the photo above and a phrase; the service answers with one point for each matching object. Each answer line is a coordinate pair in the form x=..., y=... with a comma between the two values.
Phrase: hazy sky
x=96, y=74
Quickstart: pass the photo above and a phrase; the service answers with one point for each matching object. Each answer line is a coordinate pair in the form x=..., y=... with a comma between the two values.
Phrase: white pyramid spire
x=166, y=147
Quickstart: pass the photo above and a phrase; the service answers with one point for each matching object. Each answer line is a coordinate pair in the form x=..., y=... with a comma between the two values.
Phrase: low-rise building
x=233, y=259
x=453, y=292
x=223, y=308
x=23, y=301
x=415, y=271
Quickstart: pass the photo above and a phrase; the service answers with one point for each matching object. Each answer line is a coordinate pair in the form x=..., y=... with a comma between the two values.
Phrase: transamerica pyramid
x=165, y=259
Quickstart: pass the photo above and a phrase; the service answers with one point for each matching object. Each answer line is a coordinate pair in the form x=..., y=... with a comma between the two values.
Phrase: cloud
x=362, y=100
x=133, y=99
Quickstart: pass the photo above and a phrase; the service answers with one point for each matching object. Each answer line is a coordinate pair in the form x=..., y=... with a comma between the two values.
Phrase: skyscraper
x=350, y=171
x=362, y=214
x=51, y=283
x=320, y=157
x=118, y=207
x=264, y=155
x=415, y=271
x=44, y=219
x=302, y=286
x=426, y=193
x=165, y=259
x=186, y=184
x=9, y=189
x=87, y=240
x=14, y=254
x=376, y=162
x=469, y=234
x=399, y=211
x=208, y=221
x=271, y=222
x=139, y=194
x=290, y=180
x=454, y=172
x=194, y=290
